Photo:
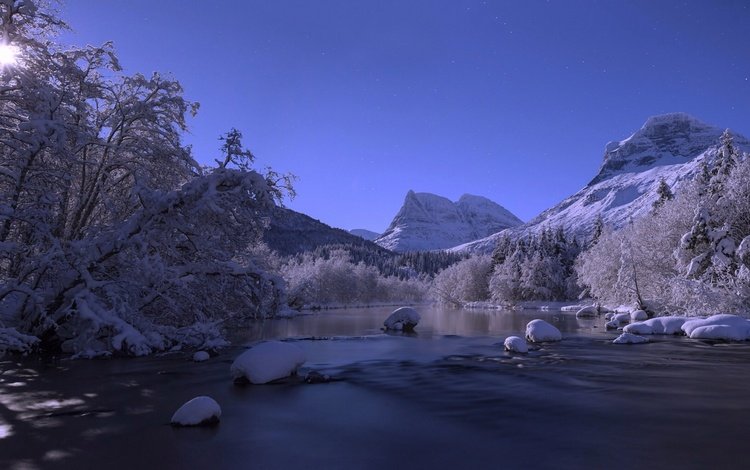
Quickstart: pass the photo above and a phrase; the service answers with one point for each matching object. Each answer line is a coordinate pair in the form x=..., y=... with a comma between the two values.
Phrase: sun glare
x=8, y=54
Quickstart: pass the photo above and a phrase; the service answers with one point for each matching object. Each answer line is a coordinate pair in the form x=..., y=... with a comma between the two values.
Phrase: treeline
x=536, y=267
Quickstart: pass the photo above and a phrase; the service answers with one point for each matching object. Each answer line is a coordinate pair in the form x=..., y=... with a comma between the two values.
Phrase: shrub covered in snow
x=464, y=282
x=538, y=331
x=266, y=362
x=404, y=318
x=199, y=411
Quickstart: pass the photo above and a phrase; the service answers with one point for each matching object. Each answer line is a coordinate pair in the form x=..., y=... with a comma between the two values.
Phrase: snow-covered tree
x=463, y=282
x=111, y=236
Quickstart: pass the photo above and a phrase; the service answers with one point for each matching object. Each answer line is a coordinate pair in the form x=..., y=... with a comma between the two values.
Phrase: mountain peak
x=427, y=221
x=665, y=139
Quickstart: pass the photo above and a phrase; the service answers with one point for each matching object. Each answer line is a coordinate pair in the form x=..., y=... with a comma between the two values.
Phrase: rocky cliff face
x=672, y=147
x=430, y=222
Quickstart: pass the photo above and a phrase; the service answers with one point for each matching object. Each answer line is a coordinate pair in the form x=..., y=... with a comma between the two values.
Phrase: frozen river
x=447, y=397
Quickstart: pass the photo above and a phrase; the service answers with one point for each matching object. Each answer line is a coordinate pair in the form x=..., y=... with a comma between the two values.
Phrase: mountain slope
x=291, y=232
x=672, y=147
x=364, y=233
x=430, y=222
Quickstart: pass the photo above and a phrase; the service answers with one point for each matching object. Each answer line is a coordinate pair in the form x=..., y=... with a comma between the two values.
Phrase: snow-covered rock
x=657, y=326
x=430, y=222
x=587, y=312
x=515, y=344
x=723, y=326
x=638, y=315
x=618, y=321
x=404, y=318
x=197, y=412
x=639, y=328
x=671, y=147
x=628, y=338
x=201, y=356
x=540, y=331
x=269, y=361
x=609, y=316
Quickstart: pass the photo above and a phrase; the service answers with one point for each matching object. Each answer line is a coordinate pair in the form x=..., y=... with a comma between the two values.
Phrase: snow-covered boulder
x=404, y=318
x=627, y=338
x=618, y=321
x=609, y=316
x=197, y=412
x=587, y=312
x=657, y=326
x=269, y=361
x=733, y=328
x=720, y=332
x=516, y=344
x=539, y=331
x=201, y=356
x=639, y=328
x=638, y=315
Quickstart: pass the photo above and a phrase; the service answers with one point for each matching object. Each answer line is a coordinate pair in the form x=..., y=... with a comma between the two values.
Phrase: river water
x=446, y=397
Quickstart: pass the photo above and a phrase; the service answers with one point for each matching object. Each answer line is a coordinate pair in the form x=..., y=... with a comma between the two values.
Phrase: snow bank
x=201, y=356
x=404, y=318
x=638, y=315
x=197, y=412
x=540, y=331
x=516, y=344
x=723, y=326
x=585, y=312
x=627, y=338
x=269, y=361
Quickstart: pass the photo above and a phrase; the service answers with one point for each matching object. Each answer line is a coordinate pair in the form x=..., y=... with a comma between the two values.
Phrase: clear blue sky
x=364, y=100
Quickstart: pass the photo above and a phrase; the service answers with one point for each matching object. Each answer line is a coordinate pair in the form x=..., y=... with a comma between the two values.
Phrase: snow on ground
x=540, y=331
x=196, y=412
x=628, y=338
x=516, y=344
x=269, y=361
x=723, y=326
x=404, y=318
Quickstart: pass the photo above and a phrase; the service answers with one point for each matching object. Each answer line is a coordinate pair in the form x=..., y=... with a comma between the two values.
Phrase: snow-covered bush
x=465, y=281
x=335, y=279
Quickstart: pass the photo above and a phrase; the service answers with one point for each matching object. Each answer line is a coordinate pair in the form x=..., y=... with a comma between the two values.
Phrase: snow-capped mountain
x=670, y=146
x=430, y=222
x=364, y=233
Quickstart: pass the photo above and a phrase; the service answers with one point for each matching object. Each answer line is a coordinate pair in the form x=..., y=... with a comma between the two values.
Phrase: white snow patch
x=198, y=411
x=404, y=318
x=628, y=338
x=516, y=344
x=269, y=361
x=540, y=331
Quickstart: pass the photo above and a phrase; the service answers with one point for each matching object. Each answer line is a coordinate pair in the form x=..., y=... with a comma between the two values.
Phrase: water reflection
x=436, y=321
